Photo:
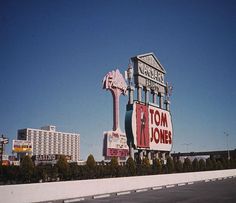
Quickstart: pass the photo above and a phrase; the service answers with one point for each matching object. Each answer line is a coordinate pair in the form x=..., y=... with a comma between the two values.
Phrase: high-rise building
x=47, y=141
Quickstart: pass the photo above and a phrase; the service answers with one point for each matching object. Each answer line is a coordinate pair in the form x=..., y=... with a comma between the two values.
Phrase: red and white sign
x=115, y=144
x=152, y=127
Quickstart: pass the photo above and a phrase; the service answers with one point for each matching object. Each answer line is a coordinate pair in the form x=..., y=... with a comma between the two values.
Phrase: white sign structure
x=149, y=72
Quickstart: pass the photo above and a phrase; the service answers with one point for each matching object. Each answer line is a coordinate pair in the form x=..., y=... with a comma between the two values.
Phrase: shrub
x=170, y=165
x=122, y=171
x=195, y=164
x=144, y=168
x=214, y=163
x=233, y=162
x=26, y=169
x=179, y=166
x=224, y=162
x=219, y=165
x=90, y=167
x=187, y=166
x=131, y=166
x=202, y=165
x=157, y=166
x=114, y=166
x=91, y=163
x=73, y=171
x=63, y=167
x=209, y=165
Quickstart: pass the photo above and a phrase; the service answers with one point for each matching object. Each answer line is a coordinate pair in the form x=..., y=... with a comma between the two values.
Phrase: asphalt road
x=209, y=192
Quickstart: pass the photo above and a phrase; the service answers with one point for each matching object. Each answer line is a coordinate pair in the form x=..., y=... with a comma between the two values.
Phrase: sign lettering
x=160, y=129
x=150, y=73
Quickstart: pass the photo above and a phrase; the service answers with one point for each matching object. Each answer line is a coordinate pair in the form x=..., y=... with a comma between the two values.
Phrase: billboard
x=148, y=72
x=115, y=144
x=22, y=146
x=149, y=127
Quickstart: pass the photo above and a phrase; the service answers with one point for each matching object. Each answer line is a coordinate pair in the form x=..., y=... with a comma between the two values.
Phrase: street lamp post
x=187, y=145
x=227, y=142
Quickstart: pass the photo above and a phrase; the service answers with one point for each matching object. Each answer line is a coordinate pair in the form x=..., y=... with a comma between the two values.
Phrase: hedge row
x=28, y=173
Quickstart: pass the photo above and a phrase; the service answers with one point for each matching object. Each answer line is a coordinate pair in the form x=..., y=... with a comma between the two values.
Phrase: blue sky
x=54, y=55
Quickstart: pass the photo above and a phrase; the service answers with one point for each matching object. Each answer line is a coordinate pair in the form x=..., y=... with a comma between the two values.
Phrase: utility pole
x=187, y=144
x=227, y=142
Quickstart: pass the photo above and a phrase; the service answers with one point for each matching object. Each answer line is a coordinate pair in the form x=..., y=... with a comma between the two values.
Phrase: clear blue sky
x=54, y=54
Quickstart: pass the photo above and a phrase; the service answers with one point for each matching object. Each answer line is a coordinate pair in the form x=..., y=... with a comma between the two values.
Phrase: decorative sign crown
x=113, y=80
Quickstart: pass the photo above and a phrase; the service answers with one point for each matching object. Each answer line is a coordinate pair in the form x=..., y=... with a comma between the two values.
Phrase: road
x=210, y=192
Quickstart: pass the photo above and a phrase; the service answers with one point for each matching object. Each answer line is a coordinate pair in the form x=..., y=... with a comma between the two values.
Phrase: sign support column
x=139, y=92
x=161, y=100
x=147, y=90
x=154, y=96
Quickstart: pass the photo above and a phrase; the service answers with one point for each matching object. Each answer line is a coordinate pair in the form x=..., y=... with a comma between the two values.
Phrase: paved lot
x=209, y=192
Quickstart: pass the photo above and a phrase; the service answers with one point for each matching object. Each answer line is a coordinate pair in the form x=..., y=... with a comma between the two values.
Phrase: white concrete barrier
x=37, y=192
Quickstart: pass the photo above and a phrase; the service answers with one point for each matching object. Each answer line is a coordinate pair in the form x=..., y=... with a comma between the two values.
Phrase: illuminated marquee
x=115, y=144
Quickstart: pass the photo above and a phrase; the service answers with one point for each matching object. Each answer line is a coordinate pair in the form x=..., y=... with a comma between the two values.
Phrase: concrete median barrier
x=39, y=192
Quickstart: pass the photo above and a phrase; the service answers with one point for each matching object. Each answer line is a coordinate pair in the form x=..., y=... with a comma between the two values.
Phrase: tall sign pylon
x=148, y=123
x=115, y=141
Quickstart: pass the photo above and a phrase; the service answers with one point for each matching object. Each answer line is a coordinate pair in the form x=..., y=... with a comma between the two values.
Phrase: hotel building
x=47, y=141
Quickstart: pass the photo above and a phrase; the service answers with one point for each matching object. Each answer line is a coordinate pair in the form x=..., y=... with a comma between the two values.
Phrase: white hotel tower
x=48, y=141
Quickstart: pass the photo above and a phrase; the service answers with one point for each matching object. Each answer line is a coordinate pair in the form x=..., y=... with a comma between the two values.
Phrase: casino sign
x=148, y=72
x=148, y=123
